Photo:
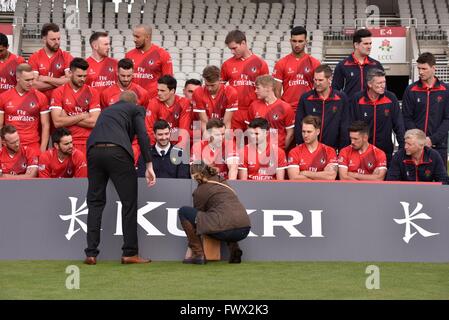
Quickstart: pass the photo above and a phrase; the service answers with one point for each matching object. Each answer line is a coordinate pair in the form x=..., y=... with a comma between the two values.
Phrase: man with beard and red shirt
x=50, y=64
x=361, y=160
x=102, y=72
x=312, y=160
x=217, y=151
x=63, y=160
x=75, y=105
x=112, y=94
x=172, y=108
x=26, y=108
x=214, y=99
x=16, y=161
x=261, y=159
x=8, y=64
x=294, y=72
x=150, y=61
x=240, y=72
x=278, y=113
x=124, y=83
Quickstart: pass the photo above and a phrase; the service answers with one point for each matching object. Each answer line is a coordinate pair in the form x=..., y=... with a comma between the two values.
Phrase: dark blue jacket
x=383, y=116
x=334, y=115
x=171, y=165
x=350, y=76
x=428, y=109
x=430, y=168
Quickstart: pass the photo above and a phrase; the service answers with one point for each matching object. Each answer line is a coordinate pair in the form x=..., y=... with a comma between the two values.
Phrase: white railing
x=373, y=22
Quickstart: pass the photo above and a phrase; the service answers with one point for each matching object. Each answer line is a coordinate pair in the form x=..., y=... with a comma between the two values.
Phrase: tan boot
x=195, y=244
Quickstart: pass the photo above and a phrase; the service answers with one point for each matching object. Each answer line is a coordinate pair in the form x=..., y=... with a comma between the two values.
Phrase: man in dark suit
x=110, y=155
x=168, y=160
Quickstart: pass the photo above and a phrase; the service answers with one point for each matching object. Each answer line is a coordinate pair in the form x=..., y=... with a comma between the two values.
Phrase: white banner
x=389, y=45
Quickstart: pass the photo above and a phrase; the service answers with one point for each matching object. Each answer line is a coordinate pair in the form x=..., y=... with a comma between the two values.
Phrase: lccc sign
x=389, y=44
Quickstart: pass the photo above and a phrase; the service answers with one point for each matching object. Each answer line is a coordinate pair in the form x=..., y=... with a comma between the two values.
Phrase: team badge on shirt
x=370, y=164
x=306, y=70
x=387, y=112
x=110, y=69
x=427, y=173
x=418, y=100
x=58, y=66
x=11, y=73
x=69, y=171
x=253, y=69
x=334, y=109
x=176, y=115
x=323, y=161
x=439, y=99
x=151, y=62
x=32, y=104
x=275, y=116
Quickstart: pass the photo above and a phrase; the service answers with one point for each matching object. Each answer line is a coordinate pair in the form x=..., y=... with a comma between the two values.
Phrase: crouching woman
x=217, y=212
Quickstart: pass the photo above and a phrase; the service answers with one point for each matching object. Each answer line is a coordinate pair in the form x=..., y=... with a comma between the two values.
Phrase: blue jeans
x=232, y=235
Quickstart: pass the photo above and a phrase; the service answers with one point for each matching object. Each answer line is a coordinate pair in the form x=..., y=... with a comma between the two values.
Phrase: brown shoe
x=134, y=259
x=90, y=260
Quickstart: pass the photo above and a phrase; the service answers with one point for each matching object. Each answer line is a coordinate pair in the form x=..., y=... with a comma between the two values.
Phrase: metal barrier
x=8, y=6
x=432, y=34
x=31, y=30
x=374, y=21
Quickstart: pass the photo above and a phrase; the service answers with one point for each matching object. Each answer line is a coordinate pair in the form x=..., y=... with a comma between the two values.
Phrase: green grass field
x=220, y=280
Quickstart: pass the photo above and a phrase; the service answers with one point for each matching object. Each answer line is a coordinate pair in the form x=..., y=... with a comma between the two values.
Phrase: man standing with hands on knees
x=110, y=155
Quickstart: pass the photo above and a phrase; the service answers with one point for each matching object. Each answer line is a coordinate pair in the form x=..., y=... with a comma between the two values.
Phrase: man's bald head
x=128, y=96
